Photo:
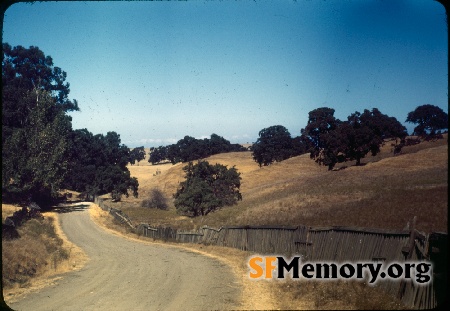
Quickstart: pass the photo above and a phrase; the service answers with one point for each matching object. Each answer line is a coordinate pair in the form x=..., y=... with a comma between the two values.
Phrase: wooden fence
x=332, y=244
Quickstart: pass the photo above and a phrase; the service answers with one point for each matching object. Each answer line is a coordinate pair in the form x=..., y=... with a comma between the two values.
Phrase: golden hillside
x=385, y=192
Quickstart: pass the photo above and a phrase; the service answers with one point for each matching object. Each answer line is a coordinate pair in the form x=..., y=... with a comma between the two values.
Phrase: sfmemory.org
x=270, y=267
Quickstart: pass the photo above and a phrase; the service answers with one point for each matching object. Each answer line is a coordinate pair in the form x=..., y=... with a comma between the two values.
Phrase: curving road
x=127, y=275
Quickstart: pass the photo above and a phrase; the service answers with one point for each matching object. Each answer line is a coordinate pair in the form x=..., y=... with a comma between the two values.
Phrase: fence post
x=408, y=251
x=438, y=254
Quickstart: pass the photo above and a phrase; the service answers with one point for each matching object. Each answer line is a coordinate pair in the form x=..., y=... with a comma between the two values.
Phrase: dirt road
x=122, y=274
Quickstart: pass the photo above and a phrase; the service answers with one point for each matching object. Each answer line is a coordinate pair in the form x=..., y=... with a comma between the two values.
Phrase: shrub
x=156, y=200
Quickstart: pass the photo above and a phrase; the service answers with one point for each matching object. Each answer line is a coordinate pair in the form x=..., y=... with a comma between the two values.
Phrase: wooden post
x=408, y=251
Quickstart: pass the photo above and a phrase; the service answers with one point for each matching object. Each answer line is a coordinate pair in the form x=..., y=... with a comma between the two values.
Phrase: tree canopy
x=34, y=124
x=429, y=119
x=40, y=151
x=207, y=188
x=137, y=154
x=190, y=149
x=29, y=69
x=34, y=156
x=366, y=132
x=274, y=144
x=333, y=141
x=320, y=137
x=98, y=165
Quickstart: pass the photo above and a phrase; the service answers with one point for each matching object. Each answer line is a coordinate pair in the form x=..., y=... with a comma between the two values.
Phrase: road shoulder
x=254, y=296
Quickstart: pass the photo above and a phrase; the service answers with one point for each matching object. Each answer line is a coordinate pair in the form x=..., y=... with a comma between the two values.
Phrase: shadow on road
x=74, y=207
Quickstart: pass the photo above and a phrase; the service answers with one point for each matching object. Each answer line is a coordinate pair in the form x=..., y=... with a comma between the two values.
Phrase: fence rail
x=336, y=244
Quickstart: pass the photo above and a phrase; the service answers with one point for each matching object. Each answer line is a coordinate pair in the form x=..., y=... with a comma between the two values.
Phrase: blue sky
x=157, y=71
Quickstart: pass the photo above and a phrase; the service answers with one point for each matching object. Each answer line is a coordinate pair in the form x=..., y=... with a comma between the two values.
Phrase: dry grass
x=299, y=192
x=37, y=258
x=338, y=295
x=8, y=210
x=385, y=192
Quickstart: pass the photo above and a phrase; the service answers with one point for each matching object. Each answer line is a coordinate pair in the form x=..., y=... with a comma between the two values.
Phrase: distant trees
x=274, y=144
x=98, y=165
x=333, y=141
x=137, y=154
x=207, y=188
x=158, y=154
x=429, y=119
x=328, y=139
x=190, y=149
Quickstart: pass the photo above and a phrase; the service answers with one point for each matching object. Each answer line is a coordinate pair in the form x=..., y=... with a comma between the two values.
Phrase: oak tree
x=273, y=145
x=207, y=188
x=34, y=124
x=137, y=154
x=429, y=119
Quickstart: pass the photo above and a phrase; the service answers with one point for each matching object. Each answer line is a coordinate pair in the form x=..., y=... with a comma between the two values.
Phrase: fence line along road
x=334, y=244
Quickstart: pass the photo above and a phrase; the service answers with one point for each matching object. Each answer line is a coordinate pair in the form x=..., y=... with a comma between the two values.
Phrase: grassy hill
x=385, y=192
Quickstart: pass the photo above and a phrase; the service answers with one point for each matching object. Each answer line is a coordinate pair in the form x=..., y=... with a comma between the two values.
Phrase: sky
x=155, y=72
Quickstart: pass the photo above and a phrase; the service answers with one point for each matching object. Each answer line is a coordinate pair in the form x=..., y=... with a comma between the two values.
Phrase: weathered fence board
x=333, y=244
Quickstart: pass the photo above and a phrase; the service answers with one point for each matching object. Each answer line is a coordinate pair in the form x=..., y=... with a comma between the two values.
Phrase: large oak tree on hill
x=319, y=132
x=137, y=154
x=274, y=144
x=429, y=119
x=333, y=141
x=365, y=132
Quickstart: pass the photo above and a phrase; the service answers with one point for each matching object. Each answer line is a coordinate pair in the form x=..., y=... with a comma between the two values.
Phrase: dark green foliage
x=190, y=149
x=300, y=145
x=274, y=144
x=334, y=141
x=429, y=119
x=217, y=144
x=369, y=131
x=207, y=188
x=321, y=121
x=158, y=154
x=40, y=152
x=98, y=165
x=137, y=154
x=34, y=125
x=24, y=70
x=156, y=200
x=382, y=125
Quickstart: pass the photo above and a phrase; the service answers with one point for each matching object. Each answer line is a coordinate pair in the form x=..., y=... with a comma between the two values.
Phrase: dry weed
x=37, y=249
